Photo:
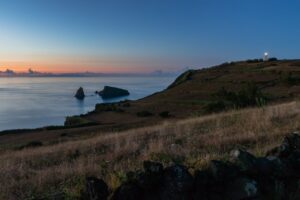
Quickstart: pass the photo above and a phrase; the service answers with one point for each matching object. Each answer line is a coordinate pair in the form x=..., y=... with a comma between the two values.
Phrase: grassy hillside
x=60, y=169
x=227, y=86
x=194, y=93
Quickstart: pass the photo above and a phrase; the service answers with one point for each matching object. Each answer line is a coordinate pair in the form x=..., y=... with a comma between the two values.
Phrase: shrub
x=254, y=60
x=32, y=144
x=124, y=103
x=76, y=121
x=164, y=114
x=290, y=79
x=215, y=106
x=106, y=107
x=144, y=114
x=250, y=95
x=273, y=59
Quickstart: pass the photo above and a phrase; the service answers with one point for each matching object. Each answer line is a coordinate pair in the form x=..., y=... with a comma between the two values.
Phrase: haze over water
x=37, y=102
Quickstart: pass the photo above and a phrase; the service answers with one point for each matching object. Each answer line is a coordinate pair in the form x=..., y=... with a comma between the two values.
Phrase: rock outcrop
x=243, y=177
x=112, y=92
x=95, y=189
x=80, y=94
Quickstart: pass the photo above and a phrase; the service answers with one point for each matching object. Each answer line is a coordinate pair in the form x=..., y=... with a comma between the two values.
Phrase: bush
x=106, y=107
x=75, y=121
x=254, y=60
x=290, y=79
x=164, y=114
x=124, y=103
x=144, y=114
x=250, y=95
x=273, y=59
x=32, y=144
x=215, y=106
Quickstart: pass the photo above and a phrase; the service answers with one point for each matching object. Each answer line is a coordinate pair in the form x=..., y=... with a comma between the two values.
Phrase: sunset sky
x=143, y=36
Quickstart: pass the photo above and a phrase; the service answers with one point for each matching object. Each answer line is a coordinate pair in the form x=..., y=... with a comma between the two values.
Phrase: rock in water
x=112, y=92
x=80, y=94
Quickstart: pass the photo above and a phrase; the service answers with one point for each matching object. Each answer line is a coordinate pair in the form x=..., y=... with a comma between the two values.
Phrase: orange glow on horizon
x=75, y=65
x=72, y=69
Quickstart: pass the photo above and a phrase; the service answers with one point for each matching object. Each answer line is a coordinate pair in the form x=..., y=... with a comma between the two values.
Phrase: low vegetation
x=182, y=78
x=250, y=95
x=60, y=169
x=76, y=121
x=105, y=107
x=144, y=113
x=164, y=114
x=31, y=144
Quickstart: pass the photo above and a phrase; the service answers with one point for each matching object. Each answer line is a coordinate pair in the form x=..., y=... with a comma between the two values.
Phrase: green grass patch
x=76, y=121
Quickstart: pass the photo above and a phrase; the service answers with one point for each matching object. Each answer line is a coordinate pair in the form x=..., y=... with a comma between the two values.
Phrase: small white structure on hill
x=266, y=56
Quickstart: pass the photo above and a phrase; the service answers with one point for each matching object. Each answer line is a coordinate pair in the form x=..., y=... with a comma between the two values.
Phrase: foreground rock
x=112, y=92
x=244, y=177
x=80, y=94
x=95, y=189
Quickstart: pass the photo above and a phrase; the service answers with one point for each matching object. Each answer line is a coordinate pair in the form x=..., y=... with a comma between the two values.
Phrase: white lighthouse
x=266, y=56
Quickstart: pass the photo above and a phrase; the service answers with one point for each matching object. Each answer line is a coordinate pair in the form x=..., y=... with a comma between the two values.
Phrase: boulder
x=202, y=185
x=290, y=144
x=241, y=188
x=243, y=159
x=95, y=189
x=112, y=92
x=177, y=183
x=80, y=94
x=153, y=167
x=128, y=191
x=151, y=177
x=270, y=188
x=222, y=171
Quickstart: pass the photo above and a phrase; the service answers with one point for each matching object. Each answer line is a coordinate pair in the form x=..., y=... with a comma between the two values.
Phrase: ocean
x=32, y=102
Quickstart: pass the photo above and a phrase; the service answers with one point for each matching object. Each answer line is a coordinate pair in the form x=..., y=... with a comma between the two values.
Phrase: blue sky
x=136, y=35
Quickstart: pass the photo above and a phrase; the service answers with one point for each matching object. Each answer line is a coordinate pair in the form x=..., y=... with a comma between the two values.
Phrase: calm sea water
x=37, y=102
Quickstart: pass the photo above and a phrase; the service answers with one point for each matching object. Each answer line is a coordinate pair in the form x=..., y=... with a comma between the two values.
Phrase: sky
x=143, y=36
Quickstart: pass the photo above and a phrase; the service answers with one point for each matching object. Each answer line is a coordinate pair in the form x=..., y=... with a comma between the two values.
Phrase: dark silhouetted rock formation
x=95, y=189
x=80, y=94
x=112, y=92
x=242, y=177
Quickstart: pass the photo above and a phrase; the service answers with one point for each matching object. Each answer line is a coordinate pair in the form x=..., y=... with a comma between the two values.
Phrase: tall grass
x=60, y=168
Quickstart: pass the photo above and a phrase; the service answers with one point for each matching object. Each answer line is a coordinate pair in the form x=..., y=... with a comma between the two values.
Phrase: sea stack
x=112, y=92
x=80, y=94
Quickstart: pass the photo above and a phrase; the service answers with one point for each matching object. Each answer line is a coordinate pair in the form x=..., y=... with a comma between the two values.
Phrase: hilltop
x=194, y=93
x=200, y=117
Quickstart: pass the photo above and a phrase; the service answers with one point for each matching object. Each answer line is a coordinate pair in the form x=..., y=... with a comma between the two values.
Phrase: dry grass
x=61, y=168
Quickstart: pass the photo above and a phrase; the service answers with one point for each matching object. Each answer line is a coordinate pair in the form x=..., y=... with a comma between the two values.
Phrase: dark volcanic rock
x=223, y=171
x=177, y=183
x=95, y=189
x=128, y=191
x=241, y=188
x=80, y=94
x=112, y=92
x=290, y=144
x=151, y=178
x=202, y=185
x=246, y=177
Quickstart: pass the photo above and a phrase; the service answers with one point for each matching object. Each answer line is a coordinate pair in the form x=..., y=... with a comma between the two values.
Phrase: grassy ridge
x=44, y=171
